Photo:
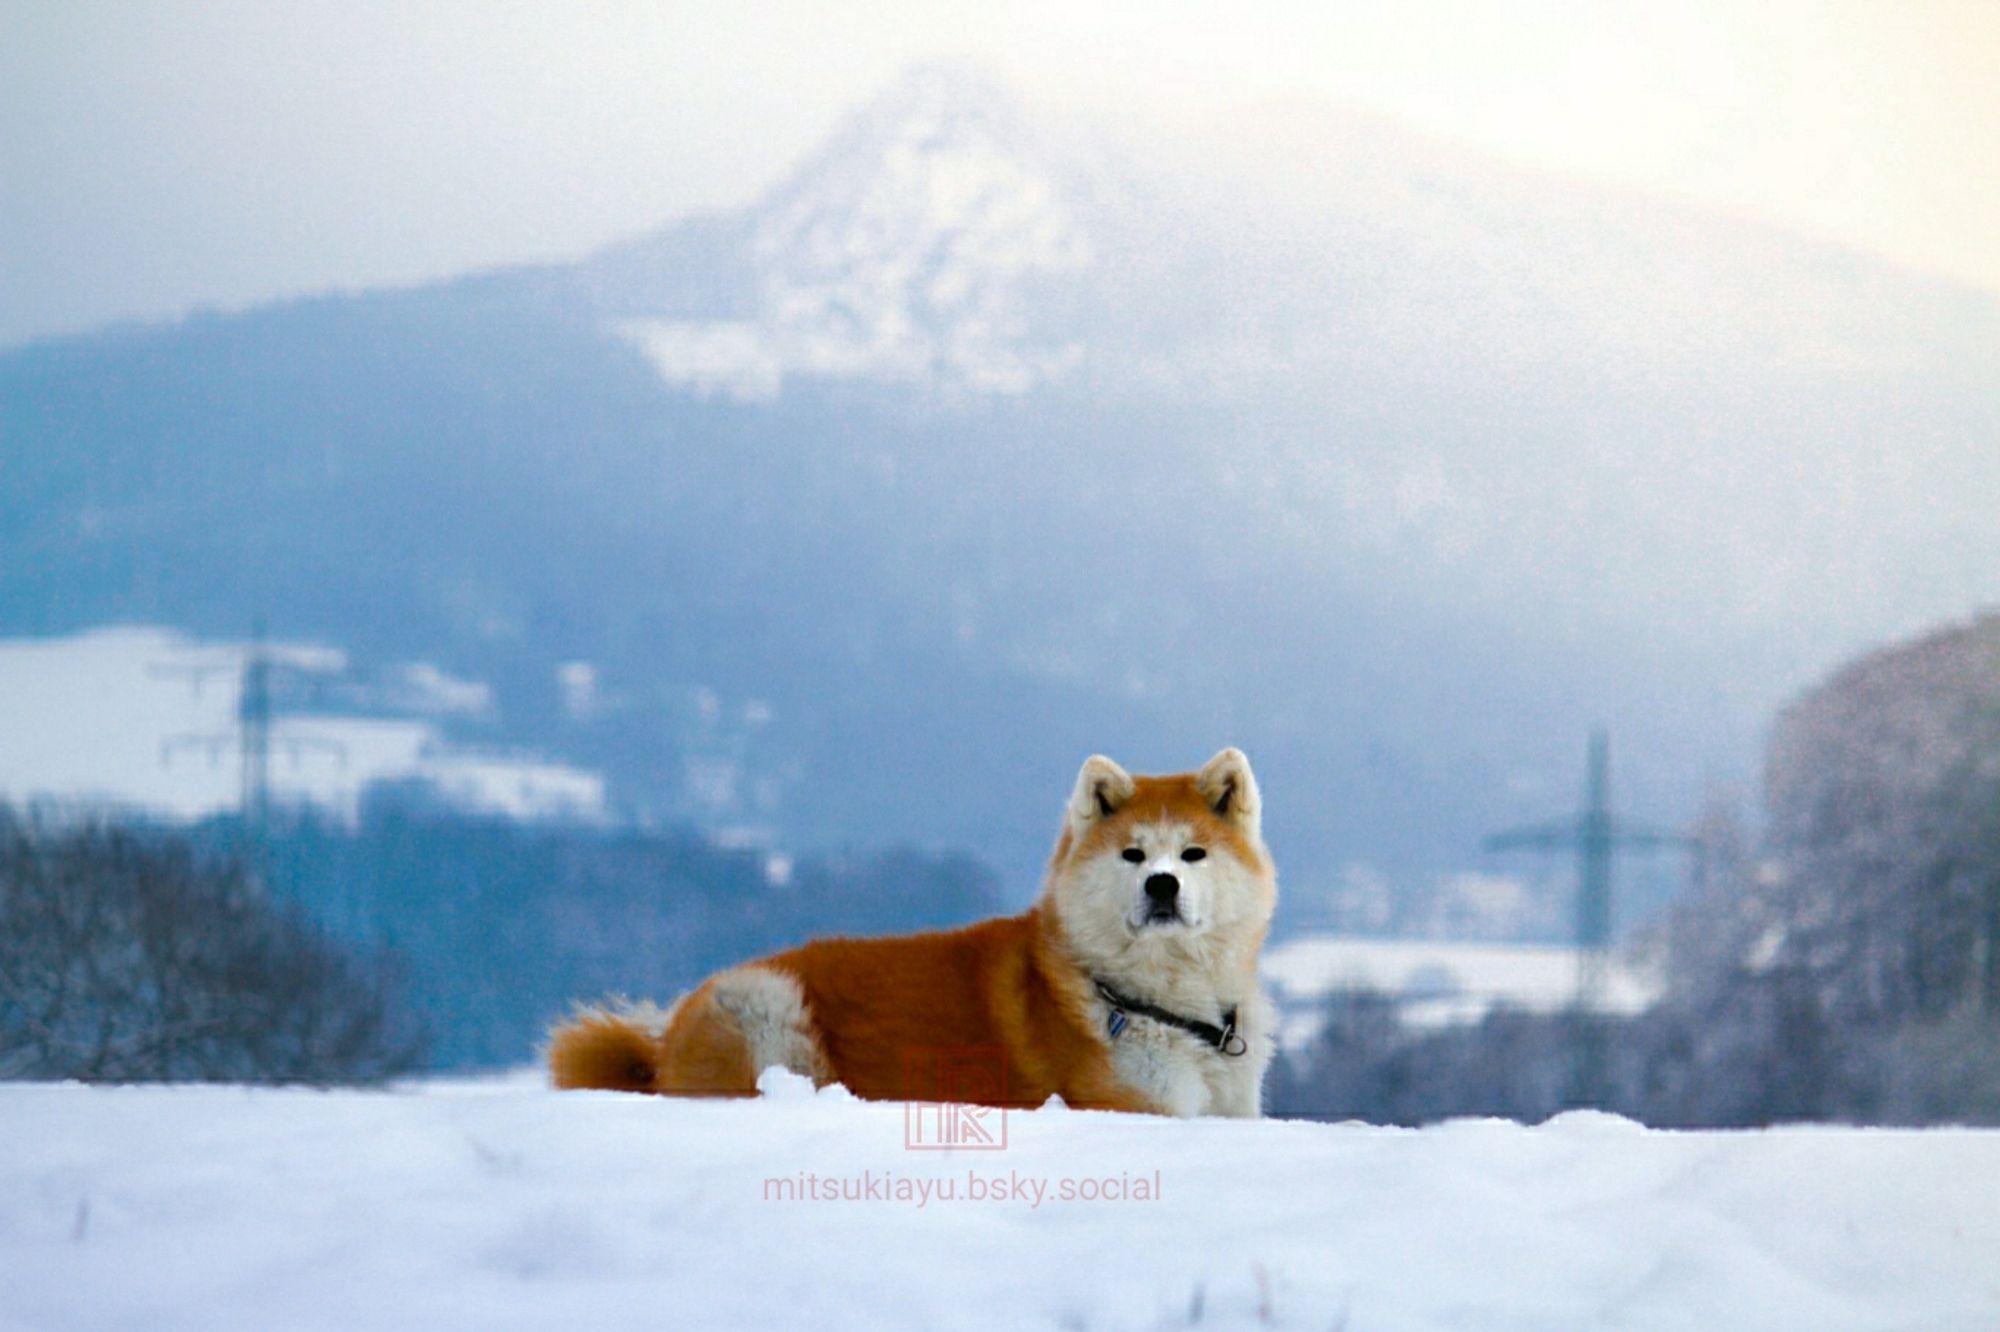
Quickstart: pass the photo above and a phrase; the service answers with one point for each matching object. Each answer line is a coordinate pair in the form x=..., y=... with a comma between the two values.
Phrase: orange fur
x=876, y=1011
x=604, y=1051
x=882, y=1006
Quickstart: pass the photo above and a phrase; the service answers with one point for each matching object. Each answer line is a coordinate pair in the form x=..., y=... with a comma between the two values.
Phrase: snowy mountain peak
x=906, y=251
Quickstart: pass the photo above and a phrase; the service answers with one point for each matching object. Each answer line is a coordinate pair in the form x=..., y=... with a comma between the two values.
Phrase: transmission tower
x=251, y=734
x=253, y=725
x=1595, y=836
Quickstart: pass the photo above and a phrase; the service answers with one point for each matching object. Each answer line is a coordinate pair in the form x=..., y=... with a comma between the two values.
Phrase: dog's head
x=1149, y=863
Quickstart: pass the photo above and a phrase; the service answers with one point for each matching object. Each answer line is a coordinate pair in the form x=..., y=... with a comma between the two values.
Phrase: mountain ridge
x=1374, y=498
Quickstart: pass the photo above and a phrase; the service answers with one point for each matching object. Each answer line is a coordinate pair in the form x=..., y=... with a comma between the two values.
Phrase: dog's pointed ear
x=1101, y=787
x=1230, y=789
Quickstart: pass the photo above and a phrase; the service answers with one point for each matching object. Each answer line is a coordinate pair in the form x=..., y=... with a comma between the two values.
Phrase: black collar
x=1225, y=1038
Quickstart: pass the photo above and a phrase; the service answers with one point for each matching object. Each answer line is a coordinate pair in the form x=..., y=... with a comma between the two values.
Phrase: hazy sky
x=159, y=156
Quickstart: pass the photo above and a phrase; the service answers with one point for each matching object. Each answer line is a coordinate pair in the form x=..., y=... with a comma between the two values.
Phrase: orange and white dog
x=1131, y=984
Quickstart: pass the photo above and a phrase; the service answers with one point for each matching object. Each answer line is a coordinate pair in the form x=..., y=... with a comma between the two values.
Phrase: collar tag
x=1117, y=1022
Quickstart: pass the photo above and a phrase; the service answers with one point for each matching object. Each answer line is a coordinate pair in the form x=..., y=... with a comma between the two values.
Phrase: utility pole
x=1596, y=836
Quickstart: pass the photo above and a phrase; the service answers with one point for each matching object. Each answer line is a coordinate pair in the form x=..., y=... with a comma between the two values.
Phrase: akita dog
x=1131, y=984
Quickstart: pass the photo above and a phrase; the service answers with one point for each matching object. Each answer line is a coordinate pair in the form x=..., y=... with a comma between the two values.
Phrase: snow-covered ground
x=503, y=1205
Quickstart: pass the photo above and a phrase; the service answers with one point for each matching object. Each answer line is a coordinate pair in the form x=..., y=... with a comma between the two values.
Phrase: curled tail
x=608, y=1049
x=712, y=1042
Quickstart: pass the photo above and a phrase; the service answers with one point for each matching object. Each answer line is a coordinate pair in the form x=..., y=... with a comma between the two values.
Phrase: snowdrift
x=504, y=1205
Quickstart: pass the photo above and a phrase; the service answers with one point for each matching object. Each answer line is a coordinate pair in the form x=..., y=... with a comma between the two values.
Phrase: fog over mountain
x=986, y=440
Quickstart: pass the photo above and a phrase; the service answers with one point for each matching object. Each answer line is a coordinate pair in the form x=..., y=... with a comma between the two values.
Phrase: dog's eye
x=1134, y=854
x=1193, y=854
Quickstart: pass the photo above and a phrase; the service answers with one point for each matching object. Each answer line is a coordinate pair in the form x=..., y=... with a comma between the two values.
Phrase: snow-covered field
x=503, y=1205
x=1437, y=982
x=145, y=717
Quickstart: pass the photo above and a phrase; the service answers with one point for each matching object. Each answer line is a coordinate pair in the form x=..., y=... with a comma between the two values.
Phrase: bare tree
x=125, y=956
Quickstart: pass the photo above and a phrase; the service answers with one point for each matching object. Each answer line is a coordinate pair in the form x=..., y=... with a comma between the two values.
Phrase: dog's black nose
x=1161, y=889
